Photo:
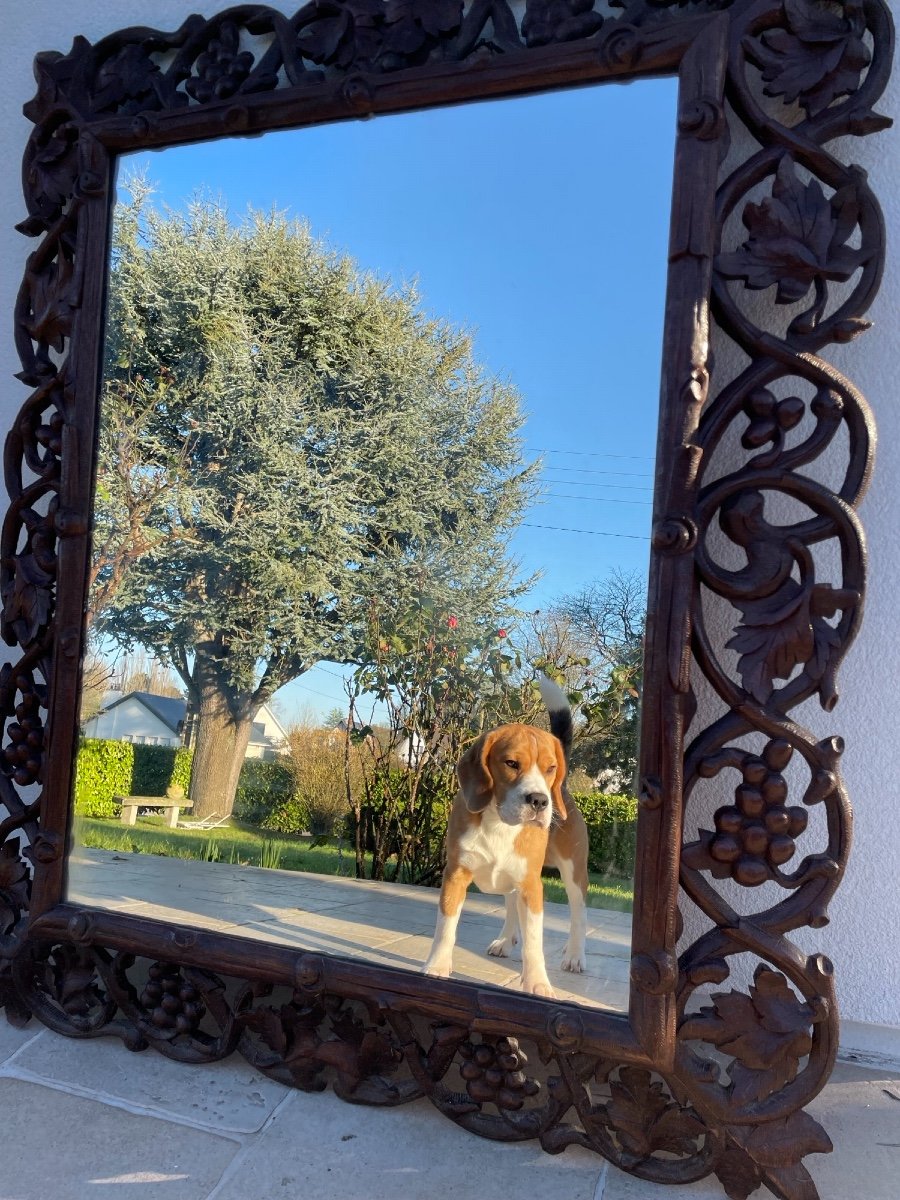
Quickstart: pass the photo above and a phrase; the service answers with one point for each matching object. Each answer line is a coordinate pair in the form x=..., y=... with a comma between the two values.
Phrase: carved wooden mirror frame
x=780, y=81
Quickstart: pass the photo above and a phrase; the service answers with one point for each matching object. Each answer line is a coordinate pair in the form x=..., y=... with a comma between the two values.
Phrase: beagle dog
x=510, y=817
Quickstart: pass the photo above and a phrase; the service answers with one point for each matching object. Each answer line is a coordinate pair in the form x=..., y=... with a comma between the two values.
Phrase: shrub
x=157, y=768
x=262, y=788
x=103, y=769
x=317, y=760
x=402, y=809
x=292, y=816
x=612, y=831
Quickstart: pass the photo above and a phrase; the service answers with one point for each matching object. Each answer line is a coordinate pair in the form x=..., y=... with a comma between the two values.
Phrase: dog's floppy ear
x=475, y=777
x=558, y=780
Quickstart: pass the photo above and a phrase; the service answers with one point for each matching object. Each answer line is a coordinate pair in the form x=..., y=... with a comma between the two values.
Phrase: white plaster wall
x=864, y=937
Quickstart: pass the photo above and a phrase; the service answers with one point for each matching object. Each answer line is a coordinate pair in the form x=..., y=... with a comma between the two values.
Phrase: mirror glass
x=378, y=430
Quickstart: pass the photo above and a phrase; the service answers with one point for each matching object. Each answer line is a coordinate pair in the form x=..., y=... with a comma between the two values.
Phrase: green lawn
x=247, y=846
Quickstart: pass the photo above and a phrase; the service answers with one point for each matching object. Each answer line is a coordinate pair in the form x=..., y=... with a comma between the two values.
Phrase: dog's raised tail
x=557, y=703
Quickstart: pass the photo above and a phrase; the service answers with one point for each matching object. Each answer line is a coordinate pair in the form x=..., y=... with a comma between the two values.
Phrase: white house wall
x=863, y=936
x=133, y=722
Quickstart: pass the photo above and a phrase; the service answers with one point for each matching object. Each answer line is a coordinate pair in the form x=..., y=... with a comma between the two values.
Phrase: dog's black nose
x=537, y=800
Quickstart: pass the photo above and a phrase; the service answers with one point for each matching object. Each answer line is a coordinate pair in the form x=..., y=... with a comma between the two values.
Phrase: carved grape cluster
x=221, y=68
x=173, y=1003
x=494, y=1074
x=22, y=757
x=757, y=833
x=769, y=418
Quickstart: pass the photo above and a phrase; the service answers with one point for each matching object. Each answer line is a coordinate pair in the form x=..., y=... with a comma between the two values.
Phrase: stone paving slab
x=63, y=1147
x=323, y=1149
x=228, y=1097
x=860, y=1109
x=12, y=1040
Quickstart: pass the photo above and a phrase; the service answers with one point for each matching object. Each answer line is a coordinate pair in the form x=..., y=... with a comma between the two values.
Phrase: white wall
x=863, y=938
x=129, y=721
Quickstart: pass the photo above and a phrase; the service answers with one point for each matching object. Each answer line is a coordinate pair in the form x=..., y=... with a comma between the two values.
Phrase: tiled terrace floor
x=387, y=924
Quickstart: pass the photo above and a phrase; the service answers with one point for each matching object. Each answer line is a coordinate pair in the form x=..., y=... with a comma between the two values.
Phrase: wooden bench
x=131, y=804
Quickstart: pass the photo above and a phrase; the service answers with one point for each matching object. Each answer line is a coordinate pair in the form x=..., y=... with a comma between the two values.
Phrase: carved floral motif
x=797, y=238
x=818, y=56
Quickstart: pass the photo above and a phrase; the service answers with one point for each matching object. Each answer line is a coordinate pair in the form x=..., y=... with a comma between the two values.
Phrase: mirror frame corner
x=128, y=92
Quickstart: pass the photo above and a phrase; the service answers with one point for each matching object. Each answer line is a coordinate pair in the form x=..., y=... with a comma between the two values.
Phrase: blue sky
x=539, y=223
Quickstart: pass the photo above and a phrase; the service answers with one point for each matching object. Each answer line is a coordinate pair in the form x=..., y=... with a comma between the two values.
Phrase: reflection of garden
x=298, y=465
x=379, y=923
x=293, y=814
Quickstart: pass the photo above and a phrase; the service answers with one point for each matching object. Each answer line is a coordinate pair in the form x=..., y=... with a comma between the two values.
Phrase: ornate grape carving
x=494, y=1073
x=756, y=835
x=172, y=1002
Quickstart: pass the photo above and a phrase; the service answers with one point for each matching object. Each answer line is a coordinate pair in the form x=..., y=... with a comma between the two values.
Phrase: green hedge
x=157, y=768
x=103, y=769
x=612, y=831
x=106, y=768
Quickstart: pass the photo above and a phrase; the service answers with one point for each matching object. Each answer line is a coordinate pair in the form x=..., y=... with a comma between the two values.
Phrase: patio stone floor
x=383, y=923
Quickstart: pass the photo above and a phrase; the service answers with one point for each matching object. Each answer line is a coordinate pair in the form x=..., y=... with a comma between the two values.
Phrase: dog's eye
x=512, y=764
x=549, y=770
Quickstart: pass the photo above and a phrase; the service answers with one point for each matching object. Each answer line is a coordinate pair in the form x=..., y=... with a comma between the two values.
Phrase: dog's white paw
x=576, y=963
x=438, y=969
x=502, y=947
x=538, y=987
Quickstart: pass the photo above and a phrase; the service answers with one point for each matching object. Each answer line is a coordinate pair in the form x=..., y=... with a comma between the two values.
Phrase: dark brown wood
x=640, y=1091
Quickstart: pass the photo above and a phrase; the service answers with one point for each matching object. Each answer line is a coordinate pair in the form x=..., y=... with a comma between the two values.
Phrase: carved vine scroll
x=798, y=256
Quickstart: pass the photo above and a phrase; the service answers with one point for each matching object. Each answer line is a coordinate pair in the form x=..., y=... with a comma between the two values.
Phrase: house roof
x=168, y=709
x=172, y=710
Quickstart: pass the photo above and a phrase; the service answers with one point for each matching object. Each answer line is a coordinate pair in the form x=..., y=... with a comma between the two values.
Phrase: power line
x=595, y=471
x=594, y=499
x=640, y=537
x=307, y=688
x=619, y=487
x=589, y=453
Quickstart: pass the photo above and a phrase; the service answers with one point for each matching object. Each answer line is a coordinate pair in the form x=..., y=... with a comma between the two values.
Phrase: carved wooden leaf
x=738, y=1173
x=775, y=634
x=128, y=82
x=377, y=1056
x=767, y=1032
x=52, y=304
x=76, y=990
x=416, y=20
x=796, y=236
x=547, y=21
x=53, y=169
x=267, y=1023
x=785, y=629
x=29, y=602
x=342, y=32
x=645, y=1118
x=780, y=1143
x=819, y=57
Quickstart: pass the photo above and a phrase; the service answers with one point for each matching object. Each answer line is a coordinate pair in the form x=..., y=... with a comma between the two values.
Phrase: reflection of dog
x=509, y=819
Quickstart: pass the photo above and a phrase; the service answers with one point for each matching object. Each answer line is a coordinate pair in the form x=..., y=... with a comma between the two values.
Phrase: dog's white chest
x=488, y=851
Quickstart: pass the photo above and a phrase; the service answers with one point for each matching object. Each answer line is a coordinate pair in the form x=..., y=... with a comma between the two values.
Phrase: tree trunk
x=221, y=745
